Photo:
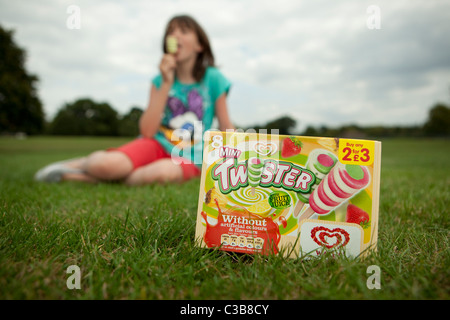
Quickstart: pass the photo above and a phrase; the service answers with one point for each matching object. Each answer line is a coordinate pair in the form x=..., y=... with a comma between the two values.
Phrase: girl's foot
x=54, y=172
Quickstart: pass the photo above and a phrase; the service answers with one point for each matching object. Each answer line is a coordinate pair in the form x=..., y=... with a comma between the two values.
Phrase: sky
x=322, y=63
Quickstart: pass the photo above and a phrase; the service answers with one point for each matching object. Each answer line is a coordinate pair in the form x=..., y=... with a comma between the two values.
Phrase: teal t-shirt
x=189, y=112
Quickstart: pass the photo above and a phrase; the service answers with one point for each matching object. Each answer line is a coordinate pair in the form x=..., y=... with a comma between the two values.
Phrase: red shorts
x=143, y=151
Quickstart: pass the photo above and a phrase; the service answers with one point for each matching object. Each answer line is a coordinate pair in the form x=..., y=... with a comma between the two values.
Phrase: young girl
x=184, y=98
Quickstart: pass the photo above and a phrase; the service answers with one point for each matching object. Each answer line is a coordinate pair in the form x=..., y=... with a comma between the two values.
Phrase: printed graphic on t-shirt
x=183, y=116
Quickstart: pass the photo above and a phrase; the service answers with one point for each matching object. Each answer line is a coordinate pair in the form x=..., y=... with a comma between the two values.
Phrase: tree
x=310, y=131
x=20, y=106
x=438, y=123
x=129, y=124
x=283, y=124
x=86, y=118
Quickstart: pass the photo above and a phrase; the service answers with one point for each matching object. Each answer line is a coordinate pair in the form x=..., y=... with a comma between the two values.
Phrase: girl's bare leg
x=80, y=177
x=160, y=171
x=100, y=166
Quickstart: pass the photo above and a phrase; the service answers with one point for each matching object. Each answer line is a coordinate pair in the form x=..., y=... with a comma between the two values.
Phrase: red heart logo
x=325, y=237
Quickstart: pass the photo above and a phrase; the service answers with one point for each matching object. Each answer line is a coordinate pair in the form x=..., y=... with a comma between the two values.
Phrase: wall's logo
x=265, y=148
x=330, y=238
x=322, y=237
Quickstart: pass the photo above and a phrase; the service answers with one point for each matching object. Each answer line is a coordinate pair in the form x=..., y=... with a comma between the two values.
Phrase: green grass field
x=138, y=242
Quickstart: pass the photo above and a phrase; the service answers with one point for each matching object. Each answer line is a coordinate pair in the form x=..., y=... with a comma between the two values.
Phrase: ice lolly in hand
x=320, y=164
x=171, y=44
x=339, y=185
x=254, y=168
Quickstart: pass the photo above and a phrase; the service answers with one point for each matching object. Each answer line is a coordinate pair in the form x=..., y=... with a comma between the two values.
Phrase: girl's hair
x=205, y=58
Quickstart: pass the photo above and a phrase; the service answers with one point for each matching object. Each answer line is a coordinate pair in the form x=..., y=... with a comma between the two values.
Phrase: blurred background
x=332, y=68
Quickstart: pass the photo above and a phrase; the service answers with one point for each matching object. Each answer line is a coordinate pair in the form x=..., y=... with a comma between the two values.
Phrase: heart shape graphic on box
x=330, y=238
x=265, y=149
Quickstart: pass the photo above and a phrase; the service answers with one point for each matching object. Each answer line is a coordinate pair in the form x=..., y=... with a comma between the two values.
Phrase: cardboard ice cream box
x=295, y=196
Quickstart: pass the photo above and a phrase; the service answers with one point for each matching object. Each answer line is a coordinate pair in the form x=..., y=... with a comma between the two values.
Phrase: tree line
x=85, y=117
x=21, y=110
x=89, y=118
x=437, y=124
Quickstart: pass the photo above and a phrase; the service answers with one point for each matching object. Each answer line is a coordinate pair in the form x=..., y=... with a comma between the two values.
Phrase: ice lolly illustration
x=171, y=44
x=214, y=195
x=343, y=181
x=254, y=168
x=320, y=164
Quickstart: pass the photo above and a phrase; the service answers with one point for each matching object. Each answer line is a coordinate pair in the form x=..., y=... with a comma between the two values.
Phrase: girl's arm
x=222, y=114
x=151, y=118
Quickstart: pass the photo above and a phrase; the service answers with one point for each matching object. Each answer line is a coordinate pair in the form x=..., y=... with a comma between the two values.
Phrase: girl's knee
x=134, y=178
x=157, y=172
x=108, y=165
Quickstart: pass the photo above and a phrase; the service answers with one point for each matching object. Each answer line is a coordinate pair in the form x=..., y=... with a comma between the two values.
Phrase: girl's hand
x=167, y=68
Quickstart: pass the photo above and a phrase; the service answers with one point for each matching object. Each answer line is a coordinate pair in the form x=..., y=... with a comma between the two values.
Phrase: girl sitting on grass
x=187, y=94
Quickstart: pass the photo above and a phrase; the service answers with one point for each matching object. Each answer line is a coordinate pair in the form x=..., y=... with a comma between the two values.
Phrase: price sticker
x=359, y=152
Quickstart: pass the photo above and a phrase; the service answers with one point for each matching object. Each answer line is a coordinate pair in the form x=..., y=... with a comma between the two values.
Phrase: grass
x=138, y=243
